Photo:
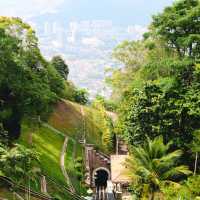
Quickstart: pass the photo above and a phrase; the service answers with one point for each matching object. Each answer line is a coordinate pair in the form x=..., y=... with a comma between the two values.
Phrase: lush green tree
x=192, y=184
x=152, y=165
x=4, y=140
x=188, y=190
x=105, y=122
x=178, y=25
x=81, y=96
x=108, y=104
x=130, y=56
x=19, y=162
x=56, y=83
x=159, y=96
x=28, y=85
x=171, y=111
x=60, y=65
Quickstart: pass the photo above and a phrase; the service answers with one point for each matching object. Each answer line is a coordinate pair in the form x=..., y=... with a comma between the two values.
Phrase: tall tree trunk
x=195, y=164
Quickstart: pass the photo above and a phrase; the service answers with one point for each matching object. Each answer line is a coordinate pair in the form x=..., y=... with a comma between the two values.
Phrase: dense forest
x=158, y=95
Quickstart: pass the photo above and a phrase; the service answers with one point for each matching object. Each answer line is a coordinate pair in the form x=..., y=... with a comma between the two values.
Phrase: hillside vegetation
x=48, y=143
x=71, y=120
x=68, y=119
x=35, y=122
x=158, y=93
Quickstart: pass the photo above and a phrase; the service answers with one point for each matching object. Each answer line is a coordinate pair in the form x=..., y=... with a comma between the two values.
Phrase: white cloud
x=27, y=8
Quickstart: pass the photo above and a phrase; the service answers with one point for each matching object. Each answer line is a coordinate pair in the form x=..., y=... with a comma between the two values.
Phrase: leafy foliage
x=3, y=136
x=28, y=84
x=60, y=66
x=81, y=96
x=105, y=123
x=19, y=161
x=131, y=55
x=172, y=113
x=188, y=190
x=158, y=96
x=152, y=165
x=179, y=26
x=109, y=105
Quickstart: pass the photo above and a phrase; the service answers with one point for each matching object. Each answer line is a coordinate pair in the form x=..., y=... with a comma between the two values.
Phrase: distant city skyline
x=84, y=32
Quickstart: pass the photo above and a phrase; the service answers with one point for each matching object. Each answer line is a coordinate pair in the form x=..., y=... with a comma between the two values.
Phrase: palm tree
x=151, y=166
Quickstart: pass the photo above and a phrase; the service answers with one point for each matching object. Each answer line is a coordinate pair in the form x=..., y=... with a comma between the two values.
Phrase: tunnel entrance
x=101, y=178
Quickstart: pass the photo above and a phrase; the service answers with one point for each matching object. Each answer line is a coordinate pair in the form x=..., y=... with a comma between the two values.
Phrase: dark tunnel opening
x=101, y=178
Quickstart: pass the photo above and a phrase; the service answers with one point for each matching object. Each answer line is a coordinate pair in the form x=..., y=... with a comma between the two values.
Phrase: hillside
x=49, y=143
x=69, y=120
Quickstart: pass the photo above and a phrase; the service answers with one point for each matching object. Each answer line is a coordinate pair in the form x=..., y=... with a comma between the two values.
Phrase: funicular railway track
x=25, y=189
x=100, y=194
x=64, y=188
x=39, y=195
x=103, y=194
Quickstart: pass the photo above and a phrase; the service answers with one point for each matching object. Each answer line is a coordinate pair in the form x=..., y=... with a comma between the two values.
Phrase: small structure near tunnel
x=120, y=175
x=107, y=175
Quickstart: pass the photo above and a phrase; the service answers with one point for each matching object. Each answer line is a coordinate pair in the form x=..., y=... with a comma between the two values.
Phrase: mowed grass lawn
x=49, y=145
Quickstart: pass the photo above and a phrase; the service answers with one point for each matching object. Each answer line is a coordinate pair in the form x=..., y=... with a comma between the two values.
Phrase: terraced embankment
x=68, y=120
x=52, y=145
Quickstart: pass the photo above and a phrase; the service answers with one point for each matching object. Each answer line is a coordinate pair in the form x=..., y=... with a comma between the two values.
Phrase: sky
x=120, y=12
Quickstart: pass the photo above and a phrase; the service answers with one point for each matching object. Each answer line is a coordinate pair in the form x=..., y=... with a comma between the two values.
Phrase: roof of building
x=119, y=171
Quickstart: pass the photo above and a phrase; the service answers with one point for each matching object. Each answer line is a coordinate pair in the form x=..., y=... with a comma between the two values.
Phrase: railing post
x=43, y=184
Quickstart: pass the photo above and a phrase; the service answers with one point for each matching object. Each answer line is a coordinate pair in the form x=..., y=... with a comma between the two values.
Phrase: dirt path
x=62, y=164
x=62, y=155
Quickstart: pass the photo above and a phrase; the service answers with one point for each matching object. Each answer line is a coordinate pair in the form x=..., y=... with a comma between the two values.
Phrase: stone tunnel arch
x=100, y=177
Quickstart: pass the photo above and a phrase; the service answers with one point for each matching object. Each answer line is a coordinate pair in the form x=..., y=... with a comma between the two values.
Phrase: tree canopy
x=28, y=83
x=179, y=26
x=60, y=65
x=158, y=92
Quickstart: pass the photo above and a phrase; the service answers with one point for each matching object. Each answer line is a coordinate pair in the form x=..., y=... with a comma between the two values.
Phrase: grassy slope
x=49, y=144
x=66, y=118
